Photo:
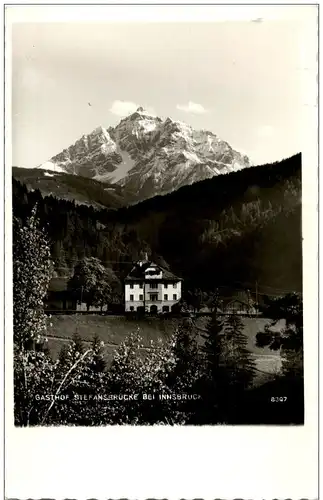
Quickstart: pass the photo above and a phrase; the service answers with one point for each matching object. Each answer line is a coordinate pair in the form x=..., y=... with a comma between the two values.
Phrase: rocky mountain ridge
x=148, y=155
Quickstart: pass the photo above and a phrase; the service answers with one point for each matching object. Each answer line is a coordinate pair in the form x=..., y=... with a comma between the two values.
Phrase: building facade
x=242, y=303
x=150, y=288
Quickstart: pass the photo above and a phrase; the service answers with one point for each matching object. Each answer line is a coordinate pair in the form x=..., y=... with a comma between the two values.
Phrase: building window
x=175, y=285
x=153, y=285
x=131, y=298
x=166, y=285
x=153, y=297
x=165, y=296
x=140, y=285
x=174, y=296
x=131, y=286
x=141, y=297
x=152, y=272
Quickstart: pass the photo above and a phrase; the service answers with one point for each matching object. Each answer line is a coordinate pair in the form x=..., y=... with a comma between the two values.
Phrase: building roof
x=243, y=303
x=137, y=273
x=241, y=296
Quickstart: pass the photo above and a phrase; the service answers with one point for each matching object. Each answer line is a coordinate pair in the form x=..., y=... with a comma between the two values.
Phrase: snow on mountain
x=148, y=155
x=50, y=165
x=124, y=167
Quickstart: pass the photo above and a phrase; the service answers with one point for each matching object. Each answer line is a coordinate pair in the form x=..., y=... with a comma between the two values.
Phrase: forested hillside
x=76, y=231
x=227, y=231
x=234, y=228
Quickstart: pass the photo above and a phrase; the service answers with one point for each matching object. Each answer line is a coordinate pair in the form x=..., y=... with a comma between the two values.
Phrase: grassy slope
x=113, y=330
x=71, y=187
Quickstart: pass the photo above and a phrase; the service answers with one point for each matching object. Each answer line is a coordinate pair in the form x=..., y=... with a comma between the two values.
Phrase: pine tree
x=58, y=254
x=76, y=348
x=98, y=363
x=187, y=355
x=213, y=378
x=237, y=357
x=63, y=356
x=229, y=369
x=93, y=386
x=213, y=345
x=185, y=375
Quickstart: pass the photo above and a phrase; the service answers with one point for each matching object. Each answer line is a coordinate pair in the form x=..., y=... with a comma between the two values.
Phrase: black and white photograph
x=157, y=270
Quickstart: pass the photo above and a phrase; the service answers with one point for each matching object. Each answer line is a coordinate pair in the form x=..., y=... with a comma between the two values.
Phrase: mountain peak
x=142, y=111
x=99, y=130
x=149, y=155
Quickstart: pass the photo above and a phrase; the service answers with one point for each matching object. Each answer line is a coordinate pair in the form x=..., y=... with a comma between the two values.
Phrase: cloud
x=265, y=131
x=192, y=107
x=124, y=108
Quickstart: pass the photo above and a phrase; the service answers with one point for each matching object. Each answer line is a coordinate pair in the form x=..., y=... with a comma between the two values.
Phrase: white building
x=150, y=288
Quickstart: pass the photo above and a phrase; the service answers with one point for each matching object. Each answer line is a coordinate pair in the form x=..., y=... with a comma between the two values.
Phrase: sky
x=242, y=80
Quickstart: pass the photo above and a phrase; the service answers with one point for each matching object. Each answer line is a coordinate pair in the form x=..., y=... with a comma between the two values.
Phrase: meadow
x=113, y=330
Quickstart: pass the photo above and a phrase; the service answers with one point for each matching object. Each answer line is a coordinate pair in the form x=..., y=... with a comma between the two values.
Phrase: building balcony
x=147, y=300
x=142, y=301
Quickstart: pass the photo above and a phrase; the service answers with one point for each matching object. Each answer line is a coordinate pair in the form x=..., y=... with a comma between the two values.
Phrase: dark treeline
x=236, y=228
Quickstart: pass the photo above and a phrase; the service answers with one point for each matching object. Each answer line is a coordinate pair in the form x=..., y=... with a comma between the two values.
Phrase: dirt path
x=106, y=344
